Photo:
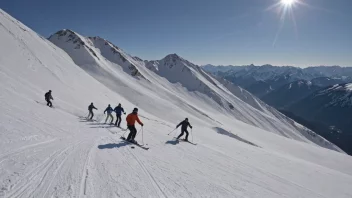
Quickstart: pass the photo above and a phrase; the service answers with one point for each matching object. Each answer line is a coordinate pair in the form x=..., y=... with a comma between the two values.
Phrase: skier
x=184, y=124
x=90, y=109
x=118, y=110
x=48, y=97
x=109, y=110
x=131, y=119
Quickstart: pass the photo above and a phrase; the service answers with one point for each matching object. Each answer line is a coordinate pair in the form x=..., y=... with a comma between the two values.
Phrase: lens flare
x=288, y=2
x=285, y=9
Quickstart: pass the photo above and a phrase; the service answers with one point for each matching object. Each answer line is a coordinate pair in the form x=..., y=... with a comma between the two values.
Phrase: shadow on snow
x=224, y=132
x=111, y=146
x=97, y=123
x=172, y=142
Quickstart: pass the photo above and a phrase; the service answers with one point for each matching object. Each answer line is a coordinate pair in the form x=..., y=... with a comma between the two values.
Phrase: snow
x=334, y=87
x=338, y=95
x=349, y=87
x=249, y=151
x=199, y=91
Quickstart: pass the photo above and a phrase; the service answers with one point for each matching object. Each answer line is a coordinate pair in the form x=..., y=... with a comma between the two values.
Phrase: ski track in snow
x=72, y=167
x=160, y=192
x=34, y=179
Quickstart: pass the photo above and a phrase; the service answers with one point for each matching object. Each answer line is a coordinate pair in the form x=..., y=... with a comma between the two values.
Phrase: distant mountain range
x=317, y=97
x=333, y=107
x=290, y=93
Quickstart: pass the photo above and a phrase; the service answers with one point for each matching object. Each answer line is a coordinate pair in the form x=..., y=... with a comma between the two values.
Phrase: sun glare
x=288, y=2
x=285, y=8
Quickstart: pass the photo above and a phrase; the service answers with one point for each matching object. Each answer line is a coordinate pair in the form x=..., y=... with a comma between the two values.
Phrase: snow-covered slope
x=171, y=78
x=48, y=152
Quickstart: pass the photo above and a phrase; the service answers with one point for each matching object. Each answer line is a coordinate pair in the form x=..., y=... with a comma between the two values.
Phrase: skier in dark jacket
x=48, y=97
x=118, y=110
x=90, y=109
x=184, y=124
x=109, y=110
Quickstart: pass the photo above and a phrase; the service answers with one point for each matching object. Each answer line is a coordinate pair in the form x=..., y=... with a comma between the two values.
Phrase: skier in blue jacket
x=109, y=110
x=118, y=110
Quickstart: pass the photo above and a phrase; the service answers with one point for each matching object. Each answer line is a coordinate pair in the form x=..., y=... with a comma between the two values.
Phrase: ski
x=44, y=104
x=188, y=142
x=182, y=140
x=140, y=146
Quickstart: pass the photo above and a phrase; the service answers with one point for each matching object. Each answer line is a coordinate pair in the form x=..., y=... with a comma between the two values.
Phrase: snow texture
x=243, y=149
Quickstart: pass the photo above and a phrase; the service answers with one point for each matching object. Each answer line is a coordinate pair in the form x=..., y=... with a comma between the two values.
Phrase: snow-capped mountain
x=338, y=95
x=330, y=71
x=261, y=80
x=178, y=70
x=290, y=93
x=215, y=69
x=281, y=87
x=260, y=88
x=332, y=106
x=266, y=72
x=269, y=72
x=246, y=149
x=167, y=77
x=92, y=51
x=326, y=81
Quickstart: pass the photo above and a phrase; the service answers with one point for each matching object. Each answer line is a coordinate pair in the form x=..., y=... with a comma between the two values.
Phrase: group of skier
x=130, y=119
x=118, y=110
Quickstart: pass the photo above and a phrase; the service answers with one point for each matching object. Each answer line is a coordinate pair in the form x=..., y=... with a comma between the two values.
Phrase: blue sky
x=221, y=32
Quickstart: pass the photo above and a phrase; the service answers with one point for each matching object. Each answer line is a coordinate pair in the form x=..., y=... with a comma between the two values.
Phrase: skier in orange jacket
x=131, y=119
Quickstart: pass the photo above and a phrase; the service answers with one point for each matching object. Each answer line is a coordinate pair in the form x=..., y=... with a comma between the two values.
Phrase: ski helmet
x=135, y=110
x=186, y=119
x=49, y=90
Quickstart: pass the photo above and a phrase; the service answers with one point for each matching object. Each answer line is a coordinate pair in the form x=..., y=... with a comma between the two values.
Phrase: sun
x=288, y=2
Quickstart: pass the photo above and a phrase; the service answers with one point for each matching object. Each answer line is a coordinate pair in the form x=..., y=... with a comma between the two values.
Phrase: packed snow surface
x=55, y=152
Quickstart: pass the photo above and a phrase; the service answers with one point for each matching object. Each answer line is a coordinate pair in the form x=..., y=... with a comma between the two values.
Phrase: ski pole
x=139, y=131
x=192, y=133
x=171, y=131
x=142, y=136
